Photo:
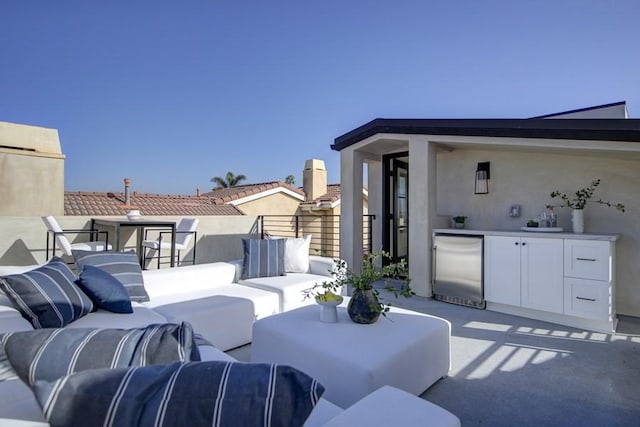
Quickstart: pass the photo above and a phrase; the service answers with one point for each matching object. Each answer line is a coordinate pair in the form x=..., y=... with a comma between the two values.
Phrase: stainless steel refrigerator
x=458, y=269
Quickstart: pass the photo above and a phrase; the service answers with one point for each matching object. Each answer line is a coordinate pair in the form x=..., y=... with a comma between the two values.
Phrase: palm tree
x=290, y=179
x=230, y=180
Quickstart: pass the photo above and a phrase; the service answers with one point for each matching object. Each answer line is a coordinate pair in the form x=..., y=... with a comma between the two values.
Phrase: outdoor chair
x=56, y=235
x=185, y=231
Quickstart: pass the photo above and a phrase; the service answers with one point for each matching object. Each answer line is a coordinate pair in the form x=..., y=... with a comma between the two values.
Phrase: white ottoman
x=408, y=350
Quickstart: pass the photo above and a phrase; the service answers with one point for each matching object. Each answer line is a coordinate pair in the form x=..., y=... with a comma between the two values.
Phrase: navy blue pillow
x=46, y=296
x=122, y=265
x=106, y=291
x=51, y=353
x=183, y=393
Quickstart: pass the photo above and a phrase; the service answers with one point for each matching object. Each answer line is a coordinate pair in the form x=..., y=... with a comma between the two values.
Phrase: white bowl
x=133, y=214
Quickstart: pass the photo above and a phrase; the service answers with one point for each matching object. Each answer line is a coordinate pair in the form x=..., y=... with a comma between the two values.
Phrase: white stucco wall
x=527, y=178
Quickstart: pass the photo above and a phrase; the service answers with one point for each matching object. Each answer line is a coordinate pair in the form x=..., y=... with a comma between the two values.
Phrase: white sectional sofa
x=220, y=307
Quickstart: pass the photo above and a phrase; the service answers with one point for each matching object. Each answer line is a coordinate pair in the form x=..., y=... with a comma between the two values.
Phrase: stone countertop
x=523, y=233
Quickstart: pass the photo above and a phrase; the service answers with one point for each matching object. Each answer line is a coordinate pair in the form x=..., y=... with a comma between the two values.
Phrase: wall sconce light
x=482, y=178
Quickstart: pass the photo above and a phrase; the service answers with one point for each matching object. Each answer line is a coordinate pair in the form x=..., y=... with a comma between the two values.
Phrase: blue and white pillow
x=105, y=290
x=195, y=394
x=47, y=296
x=263, y=258
x=124, y=266
x=48, y=354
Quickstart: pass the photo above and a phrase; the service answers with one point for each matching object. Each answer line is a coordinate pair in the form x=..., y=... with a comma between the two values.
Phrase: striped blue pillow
x=263, y=258
x=124, y=266
x=47, y=296
x=48, y=354
x=195, y=394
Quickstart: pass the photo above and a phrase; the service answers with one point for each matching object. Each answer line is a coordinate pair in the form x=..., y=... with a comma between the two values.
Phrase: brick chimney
x=127, y=188
x=314, y=179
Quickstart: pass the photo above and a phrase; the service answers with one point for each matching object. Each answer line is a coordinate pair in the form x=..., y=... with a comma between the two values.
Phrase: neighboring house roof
x=621, y=104
x=332, y=196
x=580, y=129
x=242, y=193
x=107, y=204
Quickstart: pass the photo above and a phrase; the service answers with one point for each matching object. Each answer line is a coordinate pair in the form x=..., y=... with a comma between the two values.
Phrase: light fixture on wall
x=482, y=178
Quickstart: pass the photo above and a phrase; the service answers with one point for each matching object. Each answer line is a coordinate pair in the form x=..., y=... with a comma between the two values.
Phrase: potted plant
x=578, y=202
x=365, y=304
x=458, y=221
x=327, y=298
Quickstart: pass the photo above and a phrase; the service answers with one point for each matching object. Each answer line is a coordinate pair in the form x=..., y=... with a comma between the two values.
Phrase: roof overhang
x=596, y=130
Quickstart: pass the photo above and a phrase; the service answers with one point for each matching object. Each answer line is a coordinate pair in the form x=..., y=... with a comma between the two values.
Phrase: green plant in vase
x=365, y=304
x=578, y=202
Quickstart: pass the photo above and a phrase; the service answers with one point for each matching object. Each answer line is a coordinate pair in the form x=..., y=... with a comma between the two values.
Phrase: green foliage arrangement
x=394, y=274
x=581, y=197
x=459, y=219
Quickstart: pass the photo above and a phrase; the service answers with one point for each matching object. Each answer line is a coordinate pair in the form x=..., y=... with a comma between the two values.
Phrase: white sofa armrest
x=320, y=265
x=389, y=406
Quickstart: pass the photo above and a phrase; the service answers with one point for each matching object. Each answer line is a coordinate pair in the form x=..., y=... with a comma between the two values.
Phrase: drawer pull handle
x=586, y=259
x=586, y=299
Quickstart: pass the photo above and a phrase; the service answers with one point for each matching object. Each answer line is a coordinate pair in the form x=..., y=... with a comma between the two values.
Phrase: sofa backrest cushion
x=48, y=354
x=47, y=296
x=187, y=279
x=105, y=290
x=122, y=265
x=263, y=258
x=201, y=393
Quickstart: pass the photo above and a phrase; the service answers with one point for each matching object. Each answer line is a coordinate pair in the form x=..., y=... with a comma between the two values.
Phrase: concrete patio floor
x=508, y=370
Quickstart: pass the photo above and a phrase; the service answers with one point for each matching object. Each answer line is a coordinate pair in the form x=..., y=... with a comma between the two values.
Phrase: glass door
x=396, y=236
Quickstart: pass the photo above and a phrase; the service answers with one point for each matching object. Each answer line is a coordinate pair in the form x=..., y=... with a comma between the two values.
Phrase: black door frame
x=390, y=176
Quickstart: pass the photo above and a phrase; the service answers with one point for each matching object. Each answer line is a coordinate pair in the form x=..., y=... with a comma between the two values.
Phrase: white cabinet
x=561, y=278
x=542, y=280
x=502, y=269
x=524, y=271
x=588, y=283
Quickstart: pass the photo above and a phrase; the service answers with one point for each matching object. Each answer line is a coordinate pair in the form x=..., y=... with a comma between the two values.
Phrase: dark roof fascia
x=580, y=110
x=581, y=129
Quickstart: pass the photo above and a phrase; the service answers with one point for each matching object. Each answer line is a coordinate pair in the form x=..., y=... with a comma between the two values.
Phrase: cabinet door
x=502, y=269
x=542, y=274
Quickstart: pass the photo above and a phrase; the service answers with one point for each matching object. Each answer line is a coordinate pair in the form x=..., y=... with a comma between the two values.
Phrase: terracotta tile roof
x=332, y=195
x=229, y=194
x=107, y=204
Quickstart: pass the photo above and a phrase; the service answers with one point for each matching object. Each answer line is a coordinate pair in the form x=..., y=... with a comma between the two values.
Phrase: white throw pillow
x=296, y=255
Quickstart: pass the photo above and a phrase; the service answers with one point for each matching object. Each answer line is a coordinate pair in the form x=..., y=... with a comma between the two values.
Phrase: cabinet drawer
x=587, y=259
x=587, y=298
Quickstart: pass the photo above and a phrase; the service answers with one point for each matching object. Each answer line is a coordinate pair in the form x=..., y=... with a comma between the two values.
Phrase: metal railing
x=324, y=229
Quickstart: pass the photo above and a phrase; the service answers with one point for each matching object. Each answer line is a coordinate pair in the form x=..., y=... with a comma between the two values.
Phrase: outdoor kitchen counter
x=522, y=233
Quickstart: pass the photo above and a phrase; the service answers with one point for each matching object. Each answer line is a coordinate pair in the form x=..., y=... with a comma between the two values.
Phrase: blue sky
x=172, y=93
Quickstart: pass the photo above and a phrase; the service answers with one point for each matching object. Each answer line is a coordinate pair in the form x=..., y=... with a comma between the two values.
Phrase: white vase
x=577, y=220
x=329, y=310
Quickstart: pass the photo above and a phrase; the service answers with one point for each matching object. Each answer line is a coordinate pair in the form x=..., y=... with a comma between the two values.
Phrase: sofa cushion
x=263, y=258
x=289, y=288
x=122, y=265
x=105, y=290
x=47, y=296
x=48, y=354
x=296, y=254
x=204, y=393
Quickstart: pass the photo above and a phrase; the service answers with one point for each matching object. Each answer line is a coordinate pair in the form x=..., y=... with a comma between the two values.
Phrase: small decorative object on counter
x=579, y=202
x=458, y=221
x=532, y=223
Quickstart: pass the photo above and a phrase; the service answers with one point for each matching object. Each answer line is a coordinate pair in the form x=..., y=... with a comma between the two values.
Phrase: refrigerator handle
x=433, y=267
